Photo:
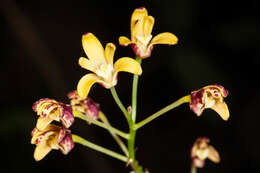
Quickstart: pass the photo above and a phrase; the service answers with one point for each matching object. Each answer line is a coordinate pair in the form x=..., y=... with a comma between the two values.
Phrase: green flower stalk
x=78, y=139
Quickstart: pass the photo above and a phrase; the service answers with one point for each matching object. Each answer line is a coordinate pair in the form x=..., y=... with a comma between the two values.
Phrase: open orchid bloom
x=86, y=106
x=100, y=62
x=141, y=38
x=52, y=137
x=201, y=151
x=211, y=96
x=49, y=110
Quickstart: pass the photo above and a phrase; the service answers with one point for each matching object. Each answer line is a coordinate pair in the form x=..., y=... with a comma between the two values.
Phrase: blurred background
x=218, y=43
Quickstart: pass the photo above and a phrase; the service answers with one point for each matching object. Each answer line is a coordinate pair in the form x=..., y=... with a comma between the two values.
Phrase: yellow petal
x=213, y=154
x=93, y=49
x=222, y=109
x=137, y=15
x=41, y=151
x=128, y=65
x=124, y=41
x=86, y=64
x=42, y=123
x=165, y=38
x=109, y=53
x=85, y=83
x=148, y=26
x=138, y=31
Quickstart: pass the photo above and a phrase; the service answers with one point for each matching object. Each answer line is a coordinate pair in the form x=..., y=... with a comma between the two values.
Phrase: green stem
x=193, y=169
x=118, y=102
x=131, y=141
x=100, y=124
x=121, y=144
x=134, y=92
x=78, y=139
x=131, y=122
x=182, y=100
x=137, y=168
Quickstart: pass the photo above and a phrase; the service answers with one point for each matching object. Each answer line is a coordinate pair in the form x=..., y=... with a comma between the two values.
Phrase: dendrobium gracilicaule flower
x=100, y=62
x=141, y=39
x=201, y=151
x=49, y=110
x=211, y=96
x=52, y=137
x=87, y=106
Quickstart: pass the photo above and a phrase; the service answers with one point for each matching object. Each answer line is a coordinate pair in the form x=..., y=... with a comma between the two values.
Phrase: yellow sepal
x=137, y=15
x=124, y=41
x=86, y=64
x=93, y=49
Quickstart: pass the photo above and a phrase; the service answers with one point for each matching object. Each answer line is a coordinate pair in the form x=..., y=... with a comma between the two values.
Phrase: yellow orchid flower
x=100, y=62
x=201, y=151
x=141, y=39
x=211, y=96
x=52, y=137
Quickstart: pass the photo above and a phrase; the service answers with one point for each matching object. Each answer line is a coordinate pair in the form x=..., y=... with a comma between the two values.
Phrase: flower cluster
x=48, y=136
x=103, y=70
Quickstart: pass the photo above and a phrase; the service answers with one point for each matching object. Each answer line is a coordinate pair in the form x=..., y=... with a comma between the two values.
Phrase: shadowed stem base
x=193, y=169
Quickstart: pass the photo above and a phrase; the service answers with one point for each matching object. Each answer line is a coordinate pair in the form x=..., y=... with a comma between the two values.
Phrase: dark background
x=218, y=43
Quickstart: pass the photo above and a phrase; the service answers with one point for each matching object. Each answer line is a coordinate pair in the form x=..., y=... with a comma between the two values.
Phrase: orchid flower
x=141, y=38
x=49, y=110
x=100, y=62
x=52, y=137
x=86, y=106
x=211, y=96
x=201, y=151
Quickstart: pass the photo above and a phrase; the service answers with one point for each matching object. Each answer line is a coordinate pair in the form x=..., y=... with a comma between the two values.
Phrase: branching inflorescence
x=104, y=71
